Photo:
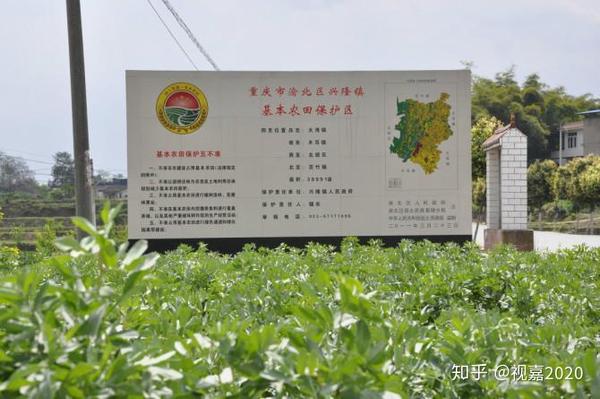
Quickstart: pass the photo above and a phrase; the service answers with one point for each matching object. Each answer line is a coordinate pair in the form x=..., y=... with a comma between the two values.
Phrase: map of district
x=422, y=127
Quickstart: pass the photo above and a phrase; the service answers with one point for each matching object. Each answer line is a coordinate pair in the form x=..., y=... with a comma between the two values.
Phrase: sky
x=558, y=39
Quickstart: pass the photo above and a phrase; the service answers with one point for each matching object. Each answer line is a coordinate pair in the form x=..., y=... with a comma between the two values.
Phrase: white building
x=578, y=139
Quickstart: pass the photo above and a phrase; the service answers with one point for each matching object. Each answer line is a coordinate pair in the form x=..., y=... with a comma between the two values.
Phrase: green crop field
x=417, y=320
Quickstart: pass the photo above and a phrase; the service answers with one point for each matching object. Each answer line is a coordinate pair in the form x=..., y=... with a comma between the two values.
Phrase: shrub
x=558, y=209
x=365, y=322
x=9, y=256
x=568, y=184
x=479, y=197
x=46, y=238
x=540, y=175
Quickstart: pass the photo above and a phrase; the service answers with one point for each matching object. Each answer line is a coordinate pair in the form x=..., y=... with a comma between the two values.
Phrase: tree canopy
x=539, y=109
x=483, y=128
x=15, y=175
x=63, y=170
x=540, y=175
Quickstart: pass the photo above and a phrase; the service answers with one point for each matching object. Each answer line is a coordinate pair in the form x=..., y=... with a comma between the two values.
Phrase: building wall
x=591, y=131
x=588, y=140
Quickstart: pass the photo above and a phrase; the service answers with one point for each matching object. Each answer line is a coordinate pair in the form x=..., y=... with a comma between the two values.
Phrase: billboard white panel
x=298, y=154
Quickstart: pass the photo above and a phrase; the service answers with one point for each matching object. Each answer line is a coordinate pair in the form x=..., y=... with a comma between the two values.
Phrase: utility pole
x=560, y=144
x=84, y=192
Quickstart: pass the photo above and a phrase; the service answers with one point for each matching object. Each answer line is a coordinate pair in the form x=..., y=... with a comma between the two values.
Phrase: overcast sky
x=558, y=39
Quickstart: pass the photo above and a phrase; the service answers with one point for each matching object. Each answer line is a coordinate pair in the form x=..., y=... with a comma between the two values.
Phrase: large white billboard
x=298, y=154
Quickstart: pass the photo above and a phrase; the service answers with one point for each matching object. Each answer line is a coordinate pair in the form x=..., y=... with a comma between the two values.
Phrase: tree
x=578, y=181
x=63, y=171
x=580, y=185
x=532, y=96
x=533, y=81
x=539, y=109
x=479, y=197
x=589, y=182
x=567, y=183
x=540, y=175
x=15, y=175
x=483, y=128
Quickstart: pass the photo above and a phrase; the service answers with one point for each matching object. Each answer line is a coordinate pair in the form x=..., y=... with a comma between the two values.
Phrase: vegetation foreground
x=361, y=322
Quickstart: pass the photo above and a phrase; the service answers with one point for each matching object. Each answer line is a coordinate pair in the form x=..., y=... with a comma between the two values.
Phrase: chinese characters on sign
x=317, y=107
x=157, y=192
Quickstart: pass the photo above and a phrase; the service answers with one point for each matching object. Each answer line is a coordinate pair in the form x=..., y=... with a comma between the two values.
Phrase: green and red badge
x=181, y=108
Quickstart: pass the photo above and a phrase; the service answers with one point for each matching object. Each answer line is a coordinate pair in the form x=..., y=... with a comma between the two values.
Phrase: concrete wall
x=591, y=131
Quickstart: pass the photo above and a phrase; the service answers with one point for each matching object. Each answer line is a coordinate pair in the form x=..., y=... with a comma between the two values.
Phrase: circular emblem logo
x=181, y=108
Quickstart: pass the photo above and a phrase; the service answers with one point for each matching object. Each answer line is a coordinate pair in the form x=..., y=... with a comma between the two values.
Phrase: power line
x=187, y=30
x=25, y=159
x=35, y=160
x=24, y=152
x=172, y=35
x=31, y=160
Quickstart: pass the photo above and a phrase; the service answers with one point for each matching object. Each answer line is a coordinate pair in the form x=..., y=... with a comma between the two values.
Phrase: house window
x=572, y=140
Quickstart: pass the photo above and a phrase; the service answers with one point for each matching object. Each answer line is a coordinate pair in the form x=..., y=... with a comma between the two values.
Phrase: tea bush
x=105, y=320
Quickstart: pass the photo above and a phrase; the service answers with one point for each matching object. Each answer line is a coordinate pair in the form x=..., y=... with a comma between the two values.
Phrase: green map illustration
x=422, y=127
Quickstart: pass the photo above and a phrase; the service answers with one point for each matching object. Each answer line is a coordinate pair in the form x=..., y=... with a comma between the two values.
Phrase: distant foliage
x=590, y=185
x=540, y=175
x=15, y=175
x=559, y=209
x=9, y=257
x=559, y=190
x=45, y=238
x=539, y=109
x=483, y=128
x=479, y=196
x=63, y=176
x=578, y=181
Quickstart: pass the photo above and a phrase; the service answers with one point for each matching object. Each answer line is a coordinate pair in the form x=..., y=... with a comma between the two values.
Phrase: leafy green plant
x=483, y=128
x=9, y=256
x=366, y=321
x=58, y=335
x=540, y=175
x=17, y=234
x=558, y=209
x=46, y=238
x=479, y=198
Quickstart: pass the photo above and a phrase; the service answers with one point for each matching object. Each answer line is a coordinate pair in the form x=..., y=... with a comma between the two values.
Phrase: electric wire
x=187, y=30
x=172, y=35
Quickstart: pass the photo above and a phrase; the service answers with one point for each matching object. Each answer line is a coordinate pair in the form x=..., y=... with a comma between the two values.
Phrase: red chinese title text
x=188, y=154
